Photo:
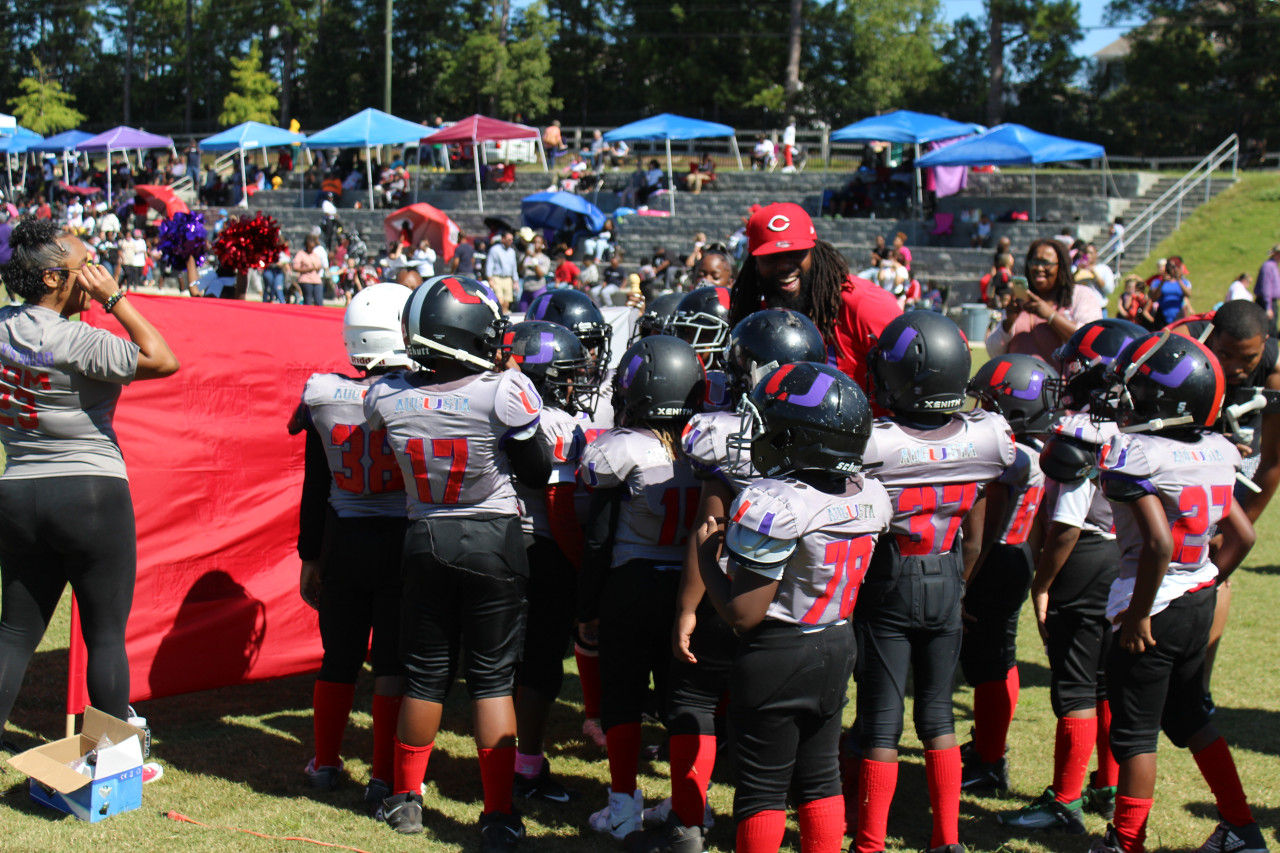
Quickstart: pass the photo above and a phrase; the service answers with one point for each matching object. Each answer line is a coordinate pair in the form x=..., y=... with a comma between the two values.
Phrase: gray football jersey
x=366, y=479
x=706, y=443
x=1026, y=490
x=567, y=441
x=1194, y=481
x=448, y=438
x=59, y=383
x=934, y=476
x=817, y=546
x=660, y=497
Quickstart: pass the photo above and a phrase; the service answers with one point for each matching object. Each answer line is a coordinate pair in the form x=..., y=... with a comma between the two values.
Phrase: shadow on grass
x=1255, y=729
x=1267, y=818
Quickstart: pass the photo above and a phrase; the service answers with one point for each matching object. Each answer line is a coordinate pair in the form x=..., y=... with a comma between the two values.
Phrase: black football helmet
x=1020, y=387
x=453, y=317
x=1086, y=355
x=574, y=310
x=1161, y=382
x=658, y=379
x=768, y=339
x=657, y=312
x=804, y=417
x=702, y=319
x=554, y=360
x=920, y=363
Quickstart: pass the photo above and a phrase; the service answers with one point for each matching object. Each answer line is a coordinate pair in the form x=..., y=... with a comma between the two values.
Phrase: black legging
x=55, y=530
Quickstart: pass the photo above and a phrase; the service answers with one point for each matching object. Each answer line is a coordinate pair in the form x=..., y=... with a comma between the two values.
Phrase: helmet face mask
x=576, y=312
x=456, y=319
x=656, y=314
x=1162, y=383
x=1084, y=358
x=554, y=360
x=701, y=319
x=765, y=340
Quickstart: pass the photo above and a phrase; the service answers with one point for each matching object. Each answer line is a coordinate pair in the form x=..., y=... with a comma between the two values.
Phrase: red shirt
x=865, y=310
x=568, y=273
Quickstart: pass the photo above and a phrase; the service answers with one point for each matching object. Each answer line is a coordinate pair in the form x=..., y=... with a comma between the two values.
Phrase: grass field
x=234, y=758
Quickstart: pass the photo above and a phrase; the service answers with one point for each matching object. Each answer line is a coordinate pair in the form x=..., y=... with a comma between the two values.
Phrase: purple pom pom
x=182, y=237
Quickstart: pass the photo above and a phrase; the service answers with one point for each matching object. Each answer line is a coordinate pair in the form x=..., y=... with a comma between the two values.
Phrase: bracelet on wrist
x=112, y=300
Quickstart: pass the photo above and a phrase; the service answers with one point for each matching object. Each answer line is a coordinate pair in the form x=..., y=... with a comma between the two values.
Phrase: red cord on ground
x=181, y=818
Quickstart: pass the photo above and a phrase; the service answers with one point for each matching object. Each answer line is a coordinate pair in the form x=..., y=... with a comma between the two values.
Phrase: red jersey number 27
x=1190, y=532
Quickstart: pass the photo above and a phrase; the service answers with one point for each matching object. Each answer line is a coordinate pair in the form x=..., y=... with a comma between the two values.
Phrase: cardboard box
x=117, y=783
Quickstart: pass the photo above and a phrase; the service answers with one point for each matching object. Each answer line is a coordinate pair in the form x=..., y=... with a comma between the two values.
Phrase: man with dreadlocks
x=789, y=267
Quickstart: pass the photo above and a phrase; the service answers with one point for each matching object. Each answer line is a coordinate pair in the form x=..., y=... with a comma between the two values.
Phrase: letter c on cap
x=778, y=223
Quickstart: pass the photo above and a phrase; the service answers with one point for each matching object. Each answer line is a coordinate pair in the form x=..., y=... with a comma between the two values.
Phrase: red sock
x=762, y=832
x=497, y=773
x=386, y=714
x=624, y=758
x=876, y=784
x=410, y=767
x=993, y=705
x=821, y=825
x=942, y=766
x=331, y=701
x=1108, y=775
x=1219, y=770
x=1076, y=737
x=1131, y=823
x=693, y=758
x=589, y=674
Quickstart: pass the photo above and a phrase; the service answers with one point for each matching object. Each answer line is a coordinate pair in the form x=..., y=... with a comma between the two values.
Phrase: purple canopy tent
x=124, y=139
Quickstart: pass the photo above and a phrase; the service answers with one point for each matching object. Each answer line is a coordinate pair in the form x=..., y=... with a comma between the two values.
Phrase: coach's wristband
x=112, y=300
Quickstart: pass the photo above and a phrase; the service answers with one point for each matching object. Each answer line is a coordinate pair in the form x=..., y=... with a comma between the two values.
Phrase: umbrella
x=497, y=225
x=668, y=127
x=242, y=137
x=476, y=129
x=550, y=209
x=367, y=129
x=1013, y=145
x=162, y=200
x=425, y=221
x=124, y=138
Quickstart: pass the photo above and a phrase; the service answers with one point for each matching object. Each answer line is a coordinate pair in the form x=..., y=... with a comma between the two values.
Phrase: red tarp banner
x=216, y=479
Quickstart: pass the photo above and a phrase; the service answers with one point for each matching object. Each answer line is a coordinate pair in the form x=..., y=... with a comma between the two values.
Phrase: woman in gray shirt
x=66, y=515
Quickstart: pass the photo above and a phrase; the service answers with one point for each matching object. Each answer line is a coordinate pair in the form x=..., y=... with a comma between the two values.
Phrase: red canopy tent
x=424, y=221
x=161, y=199
x=476, y=129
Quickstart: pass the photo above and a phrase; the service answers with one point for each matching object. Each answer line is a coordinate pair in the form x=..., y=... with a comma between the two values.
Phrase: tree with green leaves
x=503, y=68
x=43, y=106
x=1034, y=38
x=253, y=93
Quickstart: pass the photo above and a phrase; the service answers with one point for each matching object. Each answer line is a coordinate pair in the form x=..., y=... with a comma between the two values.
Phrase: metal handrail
x=1202, y=172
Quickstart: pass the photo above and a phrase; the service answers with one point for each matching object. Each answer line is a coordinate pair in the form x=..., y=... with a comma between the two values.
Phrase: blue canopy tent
x=667, y=127
x=251, y=134
x=368, y=129
x=549, y=210
x=907, y=128
x=1015, y=145
x=63, y=144
x=19, y=142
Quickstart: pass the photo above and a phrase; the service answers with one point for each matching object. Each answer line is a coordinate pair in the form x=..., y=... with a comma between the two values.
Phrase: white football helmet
x=371, y=327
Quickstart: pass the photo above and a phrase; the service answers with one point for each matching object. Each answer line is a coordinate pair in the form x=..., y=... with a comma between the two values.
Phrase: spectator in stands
x=1241, y=288
x=1000, y=274
x=596, y=245
x=630, y=194
x=1104, y=279
x=424, y=259
x=464, y=257
x=596, y=150
x=900, y=245
x=567, y=272
x=652, y=182
x=616, y=154
x=590, y=276
x=439, y=153
x=193, y=162
x=662, y=269
x=1117, y=232
x=714, y=268
x=1172, y=292
x=703, y=172
x=1003, y=246
x=553, y=142
x=1267, y=291
x=614, y=274
x=1066, y=238
x=981, y=238
x=789, y=146
x=788, y=267
x=1052, y=309
x=762, y=155
x=1133, y=299
x=309, y=264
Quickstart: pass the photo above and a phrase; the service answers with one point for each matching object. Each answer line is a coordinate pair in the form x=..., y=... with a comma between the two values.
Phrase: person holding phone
x=66, y=515
x=1046, y=307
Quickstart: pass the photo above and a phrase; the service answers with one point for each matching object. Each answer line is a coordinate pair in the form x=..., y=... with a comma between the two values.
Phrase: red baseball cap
x=782, y=227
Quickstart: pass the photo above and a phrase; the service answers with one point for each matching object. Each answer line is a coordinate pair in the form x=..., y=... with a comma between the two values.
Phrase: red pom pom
x=246, y=243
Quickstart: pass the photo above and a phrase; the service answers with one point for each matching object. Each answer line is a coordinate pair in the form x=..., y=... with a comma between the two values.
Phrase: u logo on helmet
x=546, y=350
x=778, y=222
x=899, y=350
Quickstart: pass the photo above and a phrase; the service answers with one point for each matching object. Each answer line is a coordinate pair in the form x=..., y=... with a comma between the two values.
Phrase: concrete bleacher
x=1074, y=199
